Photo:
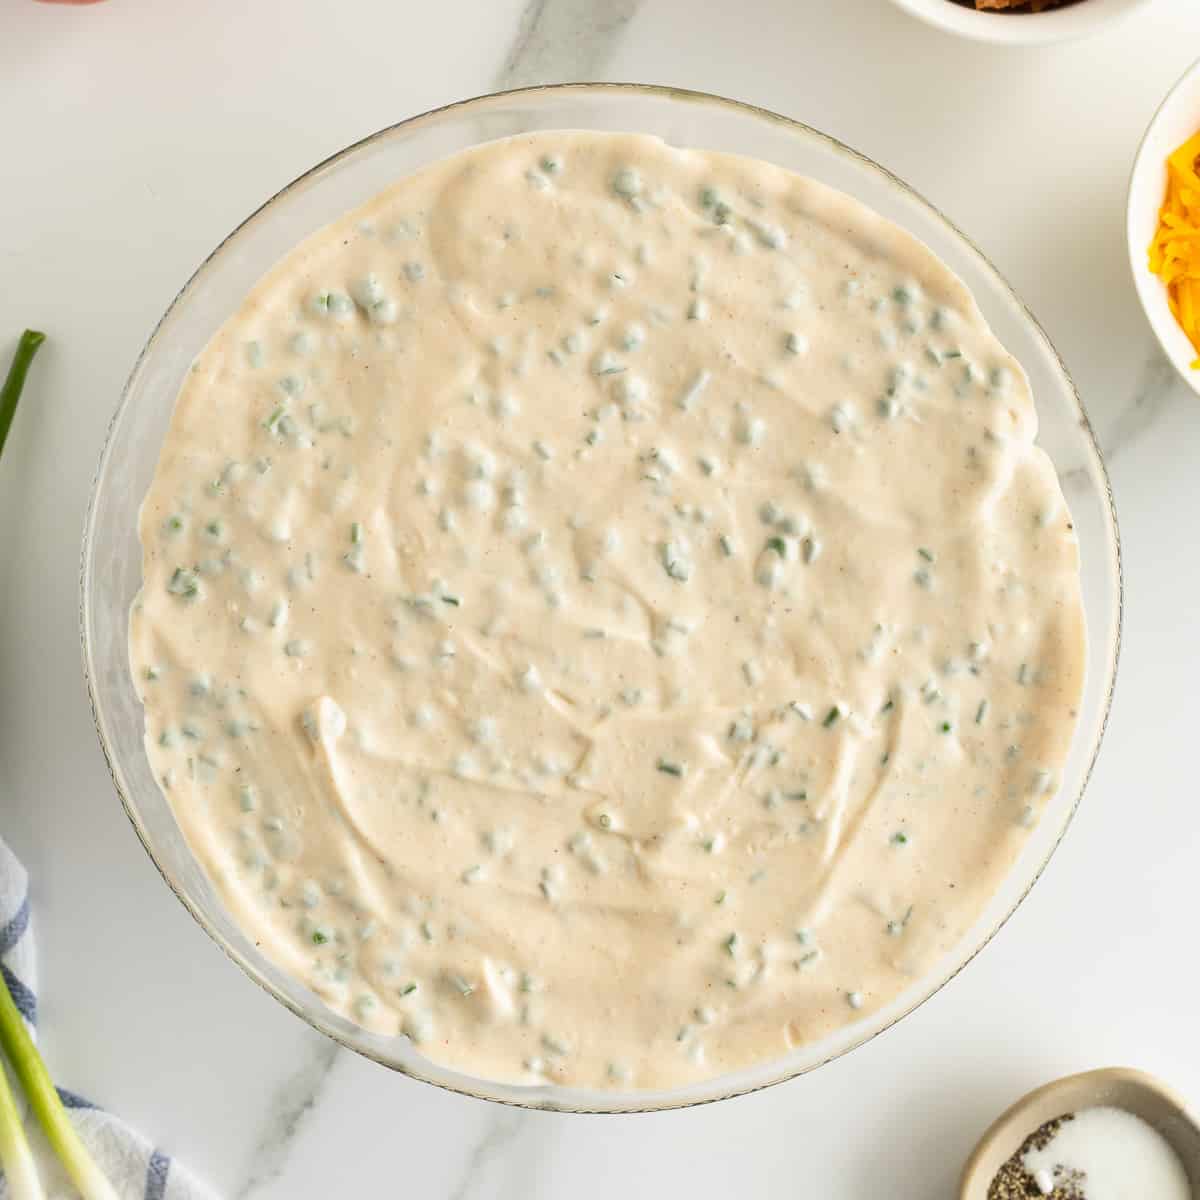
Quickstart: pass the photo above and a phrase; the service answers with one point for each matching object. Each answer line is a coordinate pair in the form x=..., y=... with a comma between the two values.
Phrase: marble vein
x=564, y=40
x=499, y=1133
x=295, y=1099
x=1158, y=390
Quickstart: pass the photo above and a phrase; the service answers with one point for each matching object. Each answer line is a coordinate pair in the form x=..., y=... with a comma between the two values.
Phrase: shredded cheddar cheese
x=1175, y=251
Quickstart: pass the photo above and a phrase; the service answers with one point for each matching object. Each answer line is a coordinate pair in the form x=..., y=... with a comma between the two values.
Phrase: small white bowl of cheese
x=1176, y=121
x=1022, y=27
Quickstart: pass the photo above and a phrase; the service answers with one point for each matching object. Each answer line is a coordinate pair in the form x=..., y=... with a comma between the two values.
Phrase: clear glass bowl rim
x=323, y=1020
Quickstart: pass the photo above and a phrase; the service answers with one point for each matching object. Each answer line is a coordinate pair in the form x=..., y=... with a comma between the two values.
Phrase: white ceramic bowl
x=1021, y=29
x=1178, y=117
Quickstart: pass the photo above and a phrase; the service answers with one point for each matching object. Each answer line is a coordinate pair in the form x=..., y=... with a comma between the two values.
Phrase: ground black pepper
x=1013, y=1182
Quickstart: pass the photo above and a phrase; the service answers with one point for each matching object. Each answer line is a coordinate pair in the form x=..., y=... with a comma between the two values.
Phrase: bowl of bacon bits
x=1163, y=225
x=1020, y=22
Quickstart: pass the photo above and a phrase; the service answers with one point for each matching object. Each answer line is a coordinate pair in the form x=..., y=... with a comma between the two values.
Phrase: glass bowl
x=112, y=559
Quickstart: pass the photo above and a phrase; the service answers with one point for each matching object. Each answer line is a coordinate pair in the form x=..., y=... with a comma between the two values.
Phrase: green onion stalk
x=43, y=1097
x=10, y=391
x=16, y=1158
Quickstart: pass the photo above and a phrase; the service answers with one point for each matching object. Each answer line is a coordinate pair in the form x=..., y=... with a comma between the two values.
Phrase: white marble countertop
x=136, y=134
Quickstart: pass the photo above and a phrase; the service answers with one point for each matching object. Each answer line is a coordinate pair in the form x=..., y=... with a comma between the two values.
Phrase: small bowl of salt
x=1115, y=1134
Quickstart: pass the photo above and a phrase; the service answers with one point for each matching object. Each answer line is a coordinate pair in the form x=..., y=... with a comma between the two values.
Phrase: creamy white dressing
x=604, y=615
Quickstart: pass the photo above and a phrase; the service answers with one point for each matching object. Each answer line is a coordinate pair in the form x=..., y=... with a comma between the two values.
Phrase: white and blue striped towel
x=137, y=1170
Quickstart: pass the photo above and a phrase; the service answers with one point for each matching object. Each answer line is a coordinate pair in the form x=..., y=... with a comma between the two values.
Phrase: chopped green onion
x=675, y=562
x=670, y=768
x=896, y=928
x=183, y=583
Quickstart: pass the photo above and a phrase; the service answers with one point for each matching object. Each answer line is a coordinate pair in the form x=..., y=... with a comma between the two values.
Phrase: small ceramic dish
x=1177, y=119
x=1020, y=28
x=1113, y=1087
